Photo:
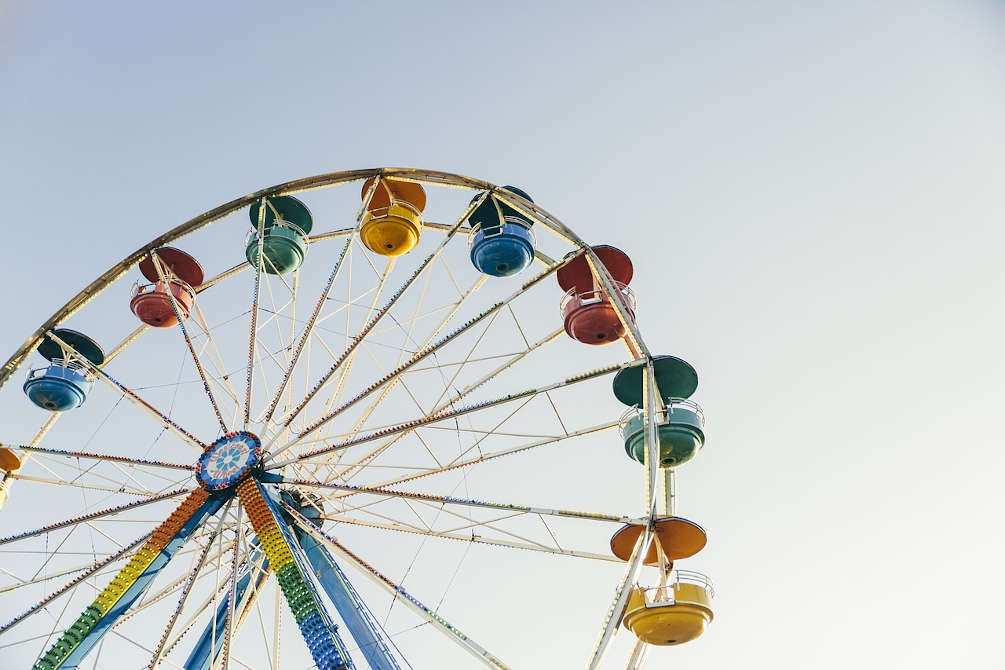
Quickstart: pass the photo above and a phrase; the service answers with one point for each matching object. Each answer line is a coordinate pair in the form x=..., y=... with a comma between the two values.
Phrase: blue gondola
x=63, y=384
x=502, y=242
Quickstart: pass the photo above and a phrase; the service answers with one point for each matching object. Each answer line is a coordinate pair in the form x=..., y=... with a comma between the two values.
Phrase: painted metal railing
x=659, y=596
x=140, y=288
x=664, y=417
x=574, y=299
x=499, y=229
x=61, y=365
x=384, y=212
x=278, y=223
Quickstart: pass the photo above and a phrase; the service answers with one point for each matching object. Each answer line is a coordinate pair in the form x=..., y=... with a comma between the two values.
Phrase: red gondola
x=151, y=302
x=586, y=308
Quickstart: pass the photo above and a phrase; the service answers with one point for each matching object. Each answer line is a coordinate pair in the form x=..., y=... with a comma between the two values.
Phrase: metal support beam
x=401, y=595
x=349, y=604
x=292, y=571
x=131, y=582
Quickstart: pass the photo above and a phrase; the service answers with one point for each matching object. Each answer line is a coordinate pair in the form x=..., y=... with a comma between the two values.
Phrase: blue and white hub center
x=228, y=460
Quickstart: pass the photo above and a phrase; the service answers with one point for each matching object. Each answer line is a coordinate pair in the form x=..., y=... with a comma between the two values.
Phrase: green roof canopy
x=675, y=378
x=82, y=344
x=289, y=208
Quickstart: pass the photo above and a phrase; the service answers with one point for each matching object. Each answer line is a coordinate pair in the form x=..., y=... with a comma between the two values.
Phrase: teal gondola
x=284, y=237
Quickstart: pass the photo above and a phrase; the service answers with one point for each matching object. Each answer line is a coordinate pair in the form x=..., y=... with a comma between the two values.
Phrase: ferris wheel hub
x=228, y=460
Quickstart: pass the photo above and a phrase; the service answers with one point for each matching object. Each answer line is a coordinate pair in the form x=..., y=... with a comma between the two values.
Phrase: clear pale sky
x=811, y=194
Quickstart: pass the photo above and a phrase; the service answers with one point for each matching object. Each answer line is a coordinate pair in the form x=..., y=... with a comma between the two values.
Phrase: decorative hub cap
x=228, y=460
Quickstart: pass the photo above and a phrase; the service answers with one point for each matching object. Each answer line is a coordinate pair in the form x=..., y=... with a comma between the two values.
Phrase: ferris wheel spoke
x=99, y=457
x=124, y=471
x=487, y=431
x=188, y=340
x=41, y=579
x=443, y=416
x=348, y=361
x=413, y=320
x=473, y=359
x=164, y=419
x=547, y=394
x=114, y=485
x=221, y=367
x=489, y=524
x=463, y=296
x=306, y=334
x=249, y=586
x=261, y=361
x=399, y=594
x=79, y=579
x=189, y=583
x=345, y=358
x=278, y=311
x=366, y=508
x=256, y=575
x=137, y=644
x=471, y=350
x=104, y=534
x=256, y=294
x=428, y=350
x=93, y=515
x=450, y=500
x=235, y=566
x=278, y=275
x=289, y=350
x=361, y=335
x=343, y=361
x=260, y=268
x=200, y=610
x=261, y=624
x=348, y=472
x=481, y=459
x=397, y=526
x=92, y=487
x=253, y=572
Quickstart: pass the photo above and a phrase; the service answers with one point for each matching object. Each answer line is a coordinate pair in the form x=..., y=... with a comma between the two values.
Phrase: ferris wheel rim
x=322, y=181
x=301, y=185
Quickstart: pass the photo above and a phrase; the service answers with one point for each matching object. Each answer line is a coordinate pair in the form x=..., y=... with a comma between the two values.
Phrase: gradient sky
x=811, y=194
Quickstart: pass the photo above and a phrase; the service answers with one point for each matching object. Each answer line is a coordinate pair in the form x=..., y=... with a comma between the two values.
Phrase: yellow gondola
x=393, y=221
x=672, y=614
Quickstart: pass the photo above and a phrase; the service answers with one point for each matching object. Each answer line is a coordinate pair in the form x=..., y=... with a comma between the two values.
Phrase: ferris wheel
x=337, y=365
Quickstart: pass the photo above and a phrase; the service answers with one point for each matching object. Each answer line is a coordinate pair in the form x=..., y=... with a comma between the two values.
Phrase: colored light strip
x=128, y=584
x=275, y=538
